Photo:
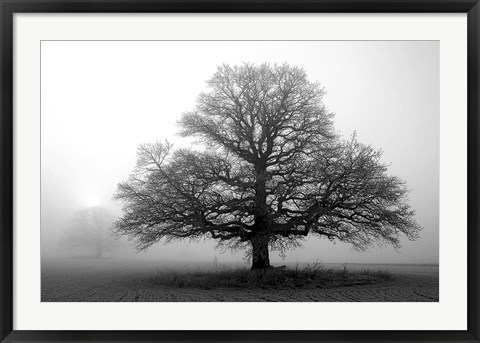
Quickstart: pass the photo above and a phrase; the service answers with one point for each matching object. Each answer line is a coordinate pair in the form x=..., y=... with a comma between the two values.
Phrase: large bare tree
x=273, y=171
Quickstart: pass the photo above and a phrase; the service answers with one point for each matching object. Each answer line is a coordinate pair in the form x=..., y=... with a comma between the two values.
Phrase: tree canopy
x=273, y=171
x=88, y=232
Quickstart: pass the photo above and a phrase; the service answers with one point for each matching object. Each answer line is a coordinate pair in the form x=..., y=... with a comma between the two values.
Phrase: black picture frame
x=10, y=7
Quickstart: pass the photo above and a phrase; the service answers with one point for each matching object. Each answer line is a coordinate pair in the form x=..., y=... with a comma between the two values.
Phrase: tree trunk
x=260, y=259
x=99, y=251
x=99, y=242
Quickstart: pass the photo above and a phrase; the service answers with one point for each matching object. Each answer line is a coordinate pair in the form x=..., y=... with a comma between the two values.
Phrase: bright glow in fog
x=100, y=100
x=92, y=201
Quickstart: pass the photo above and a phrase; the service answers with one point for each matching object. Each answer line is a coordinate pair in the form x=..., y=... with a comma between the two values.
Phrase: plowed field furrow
x=113, y=281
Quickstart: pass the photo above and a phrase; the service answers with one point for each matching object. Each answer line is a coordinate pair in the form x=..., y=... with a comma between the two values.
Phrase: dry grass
x=311, y=276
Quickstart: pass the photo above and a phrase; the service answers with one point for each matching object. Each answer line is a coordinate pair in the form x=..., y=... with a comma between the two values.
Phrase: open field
x=113, y=280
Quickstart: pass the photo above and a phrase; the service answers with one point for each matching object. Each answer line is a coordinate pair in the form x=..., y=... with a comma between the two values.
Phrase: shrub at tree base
x=311, y=277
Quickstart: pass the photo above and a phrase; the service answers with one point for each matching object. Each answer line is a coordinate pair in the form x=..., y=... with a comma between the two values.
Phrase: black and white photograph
x=239, y=171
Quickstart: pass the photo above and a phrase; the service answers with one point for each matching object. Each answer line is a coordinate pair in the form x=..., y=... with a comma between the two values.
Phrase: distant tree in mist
x=273, y=172
x=88, y=233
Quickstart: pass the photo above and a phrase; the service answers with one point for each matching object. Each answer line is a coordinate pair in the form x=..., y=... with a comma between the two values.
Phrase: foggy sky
x=100, y=100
